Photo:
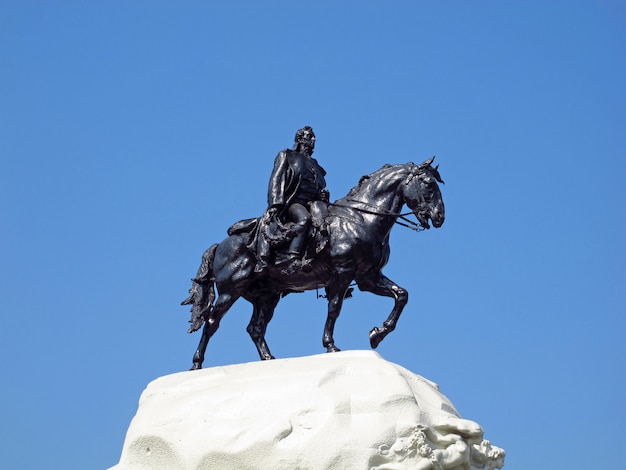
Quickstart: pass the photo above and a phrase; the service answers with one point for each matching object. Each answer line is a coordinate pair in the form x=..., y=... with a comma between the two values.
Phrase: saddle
x=268, y=238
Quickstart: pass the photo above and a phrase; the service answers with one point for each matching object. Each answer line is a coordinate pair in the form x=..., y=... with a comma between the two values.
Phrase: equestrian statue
x=304, y=242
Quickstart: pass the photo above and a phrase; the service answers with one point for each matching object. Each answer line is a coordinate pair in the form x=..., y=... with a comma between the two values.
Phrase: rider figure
x=297, y=194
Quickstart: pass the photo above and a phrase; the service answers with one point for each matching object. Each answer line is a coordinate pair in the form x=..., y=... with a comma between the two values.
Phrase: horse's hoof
x=332, y=349
x=375, y=337
x=196, y=367
x=267, y=357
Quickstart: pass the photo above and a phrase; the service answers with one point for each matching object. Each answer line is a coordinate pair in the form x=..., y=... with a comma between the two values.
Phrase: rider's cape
x=273, y=232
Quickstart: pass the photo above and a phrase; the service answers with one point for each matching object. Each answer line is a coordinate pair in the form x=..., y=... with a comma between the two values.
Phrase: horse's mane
x=382, y=175
x=378, y=175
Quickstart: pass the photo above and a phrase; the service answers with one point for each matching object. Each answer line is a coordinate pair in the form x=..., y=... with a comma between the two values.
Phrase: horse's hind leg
x=385, y=287
x=261, y=316
x=335, y=292
x=211, y=324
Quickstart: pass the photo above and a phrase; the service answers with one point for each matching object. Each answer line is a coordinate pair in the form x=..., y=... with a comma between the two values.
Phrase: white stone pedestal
x=349, y=410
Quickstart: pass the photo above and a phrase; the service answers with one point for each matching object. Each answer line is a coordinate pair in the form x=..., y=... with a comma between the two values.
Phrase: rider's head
x=305, y=140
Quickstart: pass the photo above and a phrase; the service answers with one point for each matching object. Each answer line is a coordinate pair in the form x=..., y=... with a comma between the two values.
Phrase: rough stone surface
x=348, y=410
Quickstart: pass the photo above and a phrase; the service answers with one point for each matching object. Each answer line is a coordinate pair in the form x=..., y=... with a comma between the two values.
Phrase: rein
x=382, y=212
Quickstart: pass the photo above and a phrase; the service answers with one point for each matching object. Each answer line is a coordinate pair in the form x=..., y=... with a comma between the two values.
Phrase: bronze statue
x=351, y=243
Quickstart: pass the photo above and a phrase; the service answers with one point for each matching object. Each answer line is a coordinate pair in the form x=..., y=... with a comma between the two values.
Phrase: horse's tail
x=202, y=292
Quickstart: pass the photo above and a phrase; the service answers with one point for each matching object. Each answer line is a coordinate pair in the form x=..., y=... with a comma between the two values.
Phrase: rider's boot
x=293, y=258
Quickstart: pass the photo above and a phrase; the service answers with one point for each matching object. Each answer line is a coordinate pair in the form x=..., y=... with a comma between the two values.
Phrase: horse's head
x=421, y=193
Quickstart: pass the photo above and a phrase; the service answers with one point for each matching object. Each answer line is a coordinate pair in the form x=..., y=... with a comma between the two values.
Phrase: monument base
x=347, y=410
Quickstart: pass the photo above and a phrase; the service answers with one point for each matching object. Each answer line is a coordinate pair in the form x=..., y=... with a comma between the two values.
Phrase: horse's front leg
x=385, y=287
x=335, y=293
x=261, y=316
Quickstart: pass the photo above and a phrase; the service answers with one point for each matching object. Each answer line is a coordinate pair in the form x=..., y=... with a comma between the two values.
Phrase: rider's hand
x=325, y=195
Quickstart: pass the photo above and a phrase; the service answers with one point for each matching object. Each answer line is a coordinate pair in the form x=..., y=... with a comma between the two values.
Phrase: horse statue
x=357, y=249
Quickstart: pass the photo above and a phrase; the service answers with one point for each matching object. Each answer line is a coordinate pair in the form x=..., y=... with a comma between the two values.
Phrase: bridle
x=416, y=226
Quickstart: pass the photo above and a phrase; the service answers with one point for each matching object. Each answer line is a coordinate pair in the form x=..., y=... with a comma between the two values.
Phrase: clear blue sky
x=132, y=134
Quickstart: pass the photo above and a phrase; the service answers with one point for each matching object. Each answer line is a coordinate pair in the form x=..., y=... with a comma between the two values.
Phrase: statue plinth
x=347, y=410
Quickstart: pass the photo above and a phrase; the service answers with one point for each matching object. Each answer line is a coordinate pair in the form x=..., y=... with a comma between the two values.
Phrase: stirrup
x=307, y=265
